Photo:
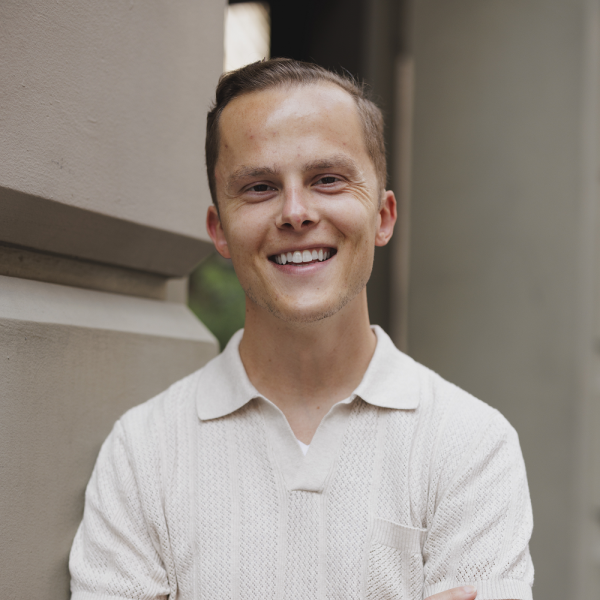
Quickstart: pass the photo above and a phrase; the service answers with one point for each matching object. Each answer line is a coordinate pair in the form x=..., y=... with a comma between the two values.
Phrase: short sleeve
x=482, y=521
x=116, y=552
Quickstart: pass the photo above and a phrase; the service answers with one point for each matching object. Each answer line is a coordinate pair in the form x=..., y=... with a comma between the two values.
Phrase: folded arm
x=461, y=593
x=479, y=521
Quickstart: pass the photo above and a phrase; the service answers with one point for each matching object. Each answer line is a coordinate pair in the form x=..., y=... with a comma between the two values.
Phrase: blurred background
x=110, y=290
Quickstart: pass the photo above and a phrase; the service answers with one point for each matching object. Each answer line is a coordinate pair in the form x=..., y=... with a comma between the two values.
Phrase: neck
x=306, y=368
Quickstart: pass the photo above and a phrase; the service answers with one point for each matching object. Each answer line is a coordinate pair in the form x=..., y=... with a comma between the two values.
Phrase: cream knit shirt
x=410, y=487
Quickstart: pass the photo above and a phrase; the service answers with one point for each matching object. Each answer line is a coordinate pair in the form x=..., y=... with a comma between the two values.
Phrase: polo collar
x=223, y=385
x=390, y=381
x=392, y=378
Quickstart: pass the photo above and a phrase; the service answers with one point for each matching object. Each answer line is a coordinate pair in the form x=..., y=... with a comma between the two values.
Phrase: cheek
x=245, y=238
x=356, y=222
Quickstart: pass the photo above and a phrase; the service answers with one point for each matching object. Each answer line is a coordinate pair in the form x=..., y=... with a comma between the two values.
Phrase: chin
x=303, y=313
x=301, y=317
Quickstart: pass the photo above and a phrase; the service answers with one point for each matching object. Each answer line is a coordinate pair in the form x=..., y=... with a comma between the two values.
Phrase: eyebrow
x=337, y=161
x=244, y=172
x=249, y=172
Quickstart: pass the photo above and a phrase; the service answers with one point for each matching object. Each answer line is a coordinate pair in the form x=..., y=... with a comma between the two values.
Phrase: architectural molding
x=50, y=226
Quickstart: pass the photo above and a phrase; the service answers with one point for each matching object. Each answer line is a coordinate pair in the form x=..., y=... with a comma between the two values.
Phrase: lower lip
x=302, y=268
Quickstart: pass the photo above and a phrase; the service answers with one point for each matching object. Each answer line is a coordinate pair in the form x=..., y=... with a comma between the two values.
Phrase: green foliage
x=217, y=298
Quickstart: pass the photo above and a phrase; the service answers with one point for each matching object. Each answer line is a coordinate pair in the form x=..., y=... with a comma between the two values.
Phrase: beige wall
x=102, y=127
x=72, y=361
x=102, y=203
x=503, y=246
x=88, y=84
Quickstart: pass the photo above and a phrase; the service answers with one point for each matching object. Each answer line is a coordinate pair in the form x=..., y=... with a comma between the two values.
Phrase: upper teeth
x=302, y=257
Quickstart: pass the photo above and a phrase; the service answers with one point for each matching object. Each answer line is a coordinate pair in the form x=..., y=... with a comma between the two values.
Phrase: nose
x=297, y=211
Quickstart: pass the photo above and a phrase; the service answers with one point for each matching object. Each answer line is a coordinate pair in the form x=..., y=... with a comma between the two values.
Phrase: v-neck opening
x=308, y=472
x=304, y=447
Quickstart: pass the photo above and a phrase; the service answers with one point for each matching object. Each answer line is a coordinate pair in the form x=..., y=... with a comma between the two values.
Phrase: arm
x=479, y=516
x=117, y=551
x=462, y=593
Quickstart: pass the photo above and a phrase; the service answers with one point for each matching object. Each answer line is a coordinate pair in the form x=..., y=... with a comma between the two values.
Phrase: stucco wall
x=102, y=204
x=504, y=192
x=72, y=362
x=102, y=108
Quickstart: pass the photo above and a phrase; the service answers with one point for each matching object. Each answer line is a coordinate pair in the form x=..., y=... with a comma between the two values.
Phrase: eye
x=260, y=187
x=328, y=180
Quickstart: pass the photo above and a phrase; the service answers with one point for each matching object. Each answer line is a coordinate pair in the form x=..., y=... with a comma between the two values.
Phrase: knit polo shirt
x=411, y=486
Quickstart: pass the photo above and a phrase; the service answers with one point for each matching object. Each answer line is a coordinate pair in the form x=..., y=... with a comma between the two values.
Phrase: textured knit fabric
x=411, y=486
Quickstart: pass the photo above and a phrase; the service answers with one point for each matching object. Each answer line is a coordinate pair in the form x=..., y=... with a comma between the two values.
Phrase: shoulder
x=438, y=411
x=155, y=427
x=396, y=380
x=165, y=407
x=457, y=431
x=454, y=408
x=148, y=442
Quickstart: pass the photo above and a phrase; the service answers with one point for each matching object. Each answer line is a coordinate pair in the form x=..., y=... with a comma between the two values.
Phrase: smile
x=303, y=256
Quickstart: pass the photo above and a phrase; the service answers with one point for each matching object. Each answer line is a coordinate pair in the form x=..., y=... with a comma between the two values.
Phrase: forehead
x=293, y=99
x=309, y=117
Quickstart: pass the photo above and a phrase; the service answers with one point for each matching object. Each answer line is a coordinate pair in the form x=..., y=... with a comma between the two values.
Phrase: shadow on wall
x=217, y=298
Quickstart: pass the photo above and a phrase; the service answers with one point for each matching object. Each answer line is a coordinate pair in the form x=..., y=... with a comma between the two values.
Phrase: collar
x=390, y=381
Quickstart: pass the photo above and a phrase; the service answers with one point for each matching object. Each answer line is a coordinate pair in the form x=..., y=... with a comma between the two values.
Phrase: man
x=409, y=487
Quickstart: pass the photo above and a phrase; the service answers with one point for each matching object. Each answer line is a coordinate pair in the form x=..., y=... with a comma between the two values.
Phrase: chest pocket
x=395, y=562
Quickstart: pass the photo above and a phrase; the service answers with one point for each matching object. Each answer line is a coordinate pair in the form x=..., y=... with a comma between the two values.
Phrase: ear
x=387, y=219
x=215, y=230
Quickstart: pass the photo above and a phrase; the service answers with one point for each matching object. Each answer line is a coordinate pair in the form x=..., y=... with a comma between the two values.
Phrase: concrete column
x=504, y=245
x=102, y=204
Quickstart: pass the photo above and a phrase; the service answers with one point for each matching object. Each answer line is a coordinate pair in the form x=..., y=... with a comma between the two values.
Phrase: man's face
x=294, y=180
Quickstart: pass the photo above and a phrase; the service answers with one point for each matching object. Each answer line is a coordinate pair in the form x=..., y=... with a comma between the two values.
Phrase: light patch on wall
x=247, y=34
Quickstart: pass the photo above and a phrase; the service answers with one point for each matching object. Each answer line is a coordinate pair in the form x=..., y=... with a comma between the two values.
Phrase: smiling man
x=311, y=459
